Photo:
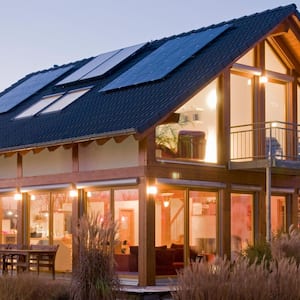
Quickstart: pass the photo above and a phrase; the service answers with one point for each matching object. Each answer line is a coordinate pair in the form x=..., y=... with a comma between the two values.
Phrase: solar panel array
x=101, y=64
x=166, y=58
x=29, y=87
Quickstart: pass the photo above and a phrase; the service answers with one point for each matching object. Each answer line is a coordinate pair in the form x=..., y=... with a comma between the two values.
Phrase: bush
x=94, y=276
x=258, y=252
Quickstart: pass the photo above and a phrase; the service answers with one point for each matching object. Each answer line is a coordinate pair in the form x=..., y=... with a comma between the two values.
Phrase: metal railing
x=269, y=140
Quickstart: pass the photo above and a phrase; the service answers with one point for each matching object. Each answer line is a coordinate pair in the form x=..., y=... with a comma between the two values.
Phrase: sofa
x=167, y=260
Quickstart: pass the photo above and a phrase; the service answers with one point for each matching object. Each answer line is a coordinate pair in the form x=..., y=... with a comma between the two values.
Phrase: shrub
x=259, y=252
x=94, y=276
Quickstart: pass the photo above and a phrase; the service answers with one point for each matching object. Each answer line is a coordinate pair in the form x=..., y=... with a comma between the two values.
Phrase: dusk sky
x=36, y=34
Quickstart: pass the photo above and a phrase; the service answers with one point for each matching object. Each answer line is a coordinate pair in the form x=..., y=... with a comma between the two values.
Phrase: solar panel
x=101, y=64
x=28, y=87
x=166, y=58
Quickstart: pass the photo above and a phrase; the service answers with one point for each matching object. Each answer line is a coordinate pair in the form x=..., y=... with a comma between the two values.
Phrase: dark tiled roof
x=136, y=108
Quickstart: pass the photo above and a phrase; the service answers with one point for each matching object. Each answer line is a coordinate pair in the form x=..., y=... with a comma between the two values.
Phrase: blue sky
x=37, y=34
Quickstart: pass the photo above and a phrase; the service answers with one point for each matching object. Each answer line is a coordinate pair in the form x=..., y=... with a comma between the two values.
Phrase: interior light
x=152, y=190
x=9, y=213
x=32, y=197
x=89, y=194
x=249, y=81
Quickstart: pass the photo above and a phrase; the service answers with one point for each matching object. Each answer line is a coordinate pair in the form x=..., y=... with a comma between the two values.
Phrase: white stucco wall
x=47, y=162
x=8, y=166
x=108, y=156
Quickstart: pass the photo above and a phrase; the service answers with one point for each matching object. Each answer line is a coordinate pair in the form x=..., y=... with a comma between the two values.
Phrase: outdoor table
x=25, y=258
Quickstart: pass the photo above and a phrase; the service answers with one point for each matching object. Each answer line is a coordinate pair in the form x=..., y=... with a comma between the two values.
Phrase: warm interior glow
x=32, y=197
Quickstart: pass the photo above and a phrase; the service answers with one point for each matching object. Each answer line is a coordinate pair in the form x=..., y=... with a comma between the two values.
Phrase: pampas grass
x=28, y=286
x=94, y=276
x=263, y=272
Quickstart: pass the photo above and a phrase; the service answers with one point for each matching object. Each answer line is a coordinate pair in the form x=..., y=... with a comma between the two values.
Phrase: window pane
x=203, y=222
x=278, y=214
x=241, y=222
x=126, y=215
x=39, y=218
x=98, y=202
x=9, y=220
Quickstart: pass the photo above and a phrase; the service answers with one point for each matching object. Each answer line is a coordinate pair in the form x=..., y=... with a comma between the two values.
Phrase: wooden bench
x=43, y=256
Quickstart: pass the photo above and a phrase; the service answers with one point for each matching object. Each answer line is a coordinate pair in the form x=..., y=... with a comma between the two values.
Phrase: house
x=191, y=142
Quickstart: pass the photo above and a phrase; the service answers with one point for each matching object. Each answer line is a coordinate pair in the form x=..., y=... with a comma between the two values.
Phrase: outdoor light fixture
x=18, y=196
x=73, y=193
x=152, y=190
x=263, y=79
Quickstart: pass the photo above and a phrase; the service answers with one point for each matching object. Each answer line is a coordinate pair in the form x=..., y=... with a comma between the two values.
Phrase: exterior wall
x=47, y=162
x=8, y=167
x=108, y=156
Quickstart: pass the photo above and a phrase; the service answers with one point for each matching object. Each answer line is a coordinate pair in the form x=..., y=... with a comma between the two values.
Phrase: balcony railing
x=270, y=140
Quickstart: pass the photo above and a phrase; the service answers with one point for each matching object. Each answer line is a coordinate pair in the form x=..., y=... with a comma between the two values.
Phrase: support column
x=146, y=253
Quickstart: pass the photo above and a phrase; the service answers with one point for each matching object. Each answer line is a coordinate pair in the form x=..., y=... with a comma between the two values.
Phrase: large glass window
x=98, y=202
x=51, y=223
x=9, y=219
x=193, y=136
x=278, y=214
x=203, y=222
x=126, y=215
x=241, y=222
x=276, y=116
x=241, y=116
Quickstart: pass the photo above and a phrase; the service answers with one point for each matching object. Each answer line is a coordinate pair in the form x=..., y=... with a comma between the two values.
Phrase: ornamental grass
x=262, y=272
x=94, y=276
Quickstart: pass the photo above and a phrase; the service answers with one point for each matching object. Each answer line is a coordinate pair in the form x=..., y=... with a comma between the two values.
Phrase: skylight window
x=65, y=100
x=34, y=109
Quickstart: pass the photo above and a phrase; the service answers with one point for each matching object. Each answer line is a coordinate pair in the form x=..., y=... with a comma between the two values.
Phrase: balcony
x=258, y=145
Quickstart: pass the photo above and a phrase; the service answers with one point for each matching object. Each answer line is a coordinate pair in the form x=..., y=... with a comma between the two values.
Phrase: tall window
x=126, y=212
x=51, y=223
x=241, y=222
x=203, y=222
x=241, y=116
x=278, y=214
x=9, y=219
